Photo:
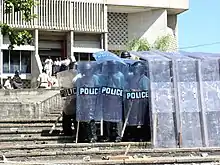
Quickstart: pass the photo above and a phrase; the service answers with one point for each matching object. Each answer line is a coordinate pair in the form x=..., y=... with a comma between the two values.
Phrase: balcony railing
x=88, y=16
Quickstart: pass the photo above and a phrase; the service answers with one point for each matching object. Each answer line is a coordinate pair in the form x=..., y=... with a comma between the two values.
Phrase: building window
x=16, y=60
x=84, y=57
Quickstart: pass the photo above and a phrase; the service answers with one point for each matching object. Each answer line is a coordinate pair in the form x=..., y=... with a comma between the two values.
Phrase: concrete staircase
x=27, y=141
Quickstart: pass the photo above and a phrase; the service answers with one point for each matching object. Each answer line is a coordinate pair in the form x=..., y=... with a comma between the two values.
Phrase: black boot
x=67, y=125
x=107, y=131
x=117, y=131
x=92, y=132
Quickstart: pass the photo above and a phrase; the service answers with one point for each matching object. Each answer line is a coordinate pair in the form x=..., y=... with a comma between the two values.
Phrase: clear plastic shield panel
x=190, y=111
x=88, y=103
x=211, y=94
x=65, y=78
x=136, y=94
x=162, y=102
x=112, y=84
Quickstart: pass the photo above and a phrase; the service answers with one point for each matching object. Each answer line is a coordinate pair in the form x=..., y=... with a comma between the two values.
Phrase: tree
x=18, y=37
x=138, y=45
x=162, y=44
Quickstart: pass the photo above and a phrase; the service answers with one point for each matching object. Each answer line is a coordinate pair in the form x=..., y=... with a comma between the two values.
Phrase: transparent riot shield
x=136, y=94
x=67, y=90
x=65, y=78
x=112, y=82
x=186, y=82
x=210, y=96
x=161, y=101
x=88, y=106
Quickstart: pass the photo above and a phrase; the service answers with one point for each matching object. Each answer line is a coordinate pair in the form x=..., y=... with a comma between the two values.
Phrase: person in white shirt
x=48, y=66
x=43, y=80
x=65, y=64
x=7, y=84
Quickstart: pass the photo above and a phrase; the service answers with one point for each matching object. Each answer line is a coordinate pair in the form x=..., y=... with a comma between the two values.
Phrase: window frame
x=9, y=61
x=78, y=56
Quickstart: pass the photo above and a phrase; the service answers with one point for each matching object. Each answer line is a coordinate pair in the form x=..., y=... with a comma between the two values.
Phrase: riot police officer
x=112, y=80
x=87, y=102
x=125, y=54
x=137, y=107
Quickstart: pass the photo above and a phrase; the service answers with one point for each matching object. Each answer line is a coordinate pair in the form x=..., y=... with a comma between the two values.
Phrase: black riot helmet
x=138, y=67
x=109, y=66
x=86, y=68
x=17, y=73
x=125, y=54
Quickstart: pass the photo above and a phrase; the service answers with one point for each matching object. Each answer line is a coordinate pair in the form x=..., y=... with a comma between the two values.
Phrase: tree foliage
x=138, y=45
x=162, y=44
x=18, y=37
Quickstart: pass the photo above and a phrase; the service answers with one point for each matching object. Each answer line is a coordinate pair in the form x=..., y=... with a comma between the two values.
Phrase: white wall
x=149, y=24
x=174, y=4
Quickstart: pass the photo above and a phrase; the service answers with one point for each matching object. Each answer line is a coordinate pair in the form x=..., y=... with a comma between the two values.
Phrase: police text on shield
x=88, y=91
x=112, y=91
x=136, y=95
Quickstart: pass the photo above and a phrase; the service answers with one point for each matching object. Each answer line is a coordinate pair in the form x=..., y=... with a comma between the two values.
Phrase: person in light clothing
x=65, y=64
x=48, y=66
x=7, y=84
x=43, y=80
x=57, y=65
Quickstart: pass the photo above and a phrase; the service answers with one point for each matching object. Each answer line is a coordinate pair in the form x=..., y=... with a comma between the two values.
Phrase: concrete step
x=53, y=115
x=23, y=130
x=130, y=161
x=56, y=111
x=22, y=138
x=44, y=120
x=51, y=140
x=99, y=153
x=10, y=128
x=93, y=153
x=27, y=125
x=78, y=145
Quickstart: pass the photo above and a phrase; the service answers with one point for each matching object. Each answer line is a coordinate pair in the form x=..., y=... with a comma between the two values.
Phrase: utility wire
x=202, y=45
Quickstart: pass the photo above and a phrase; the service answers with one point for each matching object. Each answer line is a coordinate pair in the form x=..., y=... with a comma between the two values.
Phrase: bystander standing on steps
x=57, y=65
x=65, y=64
x=48, y=66
x=16, y=81
x=43, y=80
x=7, y=84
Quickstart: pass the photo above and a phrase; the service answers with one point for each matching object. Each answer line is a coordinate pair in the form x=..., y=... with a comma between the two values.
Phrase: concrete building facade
x=66, y=28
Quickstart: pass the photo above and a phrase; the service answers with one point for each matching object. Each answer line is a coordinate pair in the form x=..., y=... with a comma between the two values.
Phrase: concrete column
x=36, y=65
x=70, y=44
x=36, y=41
x=106, y=28
x=173, y=24
x=1, y=42
x=102, y=41
x=1, y=58
x=105, y=41
x=177, y=36
x=1, y=61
